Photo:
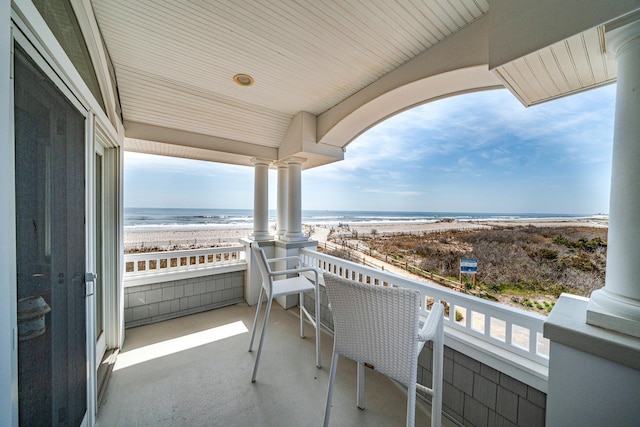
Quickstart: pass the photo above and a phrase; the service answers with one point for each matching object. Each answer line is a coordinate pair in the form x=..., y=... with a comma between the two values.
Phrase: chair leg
x=360, y=386
x=436, y=400
x=315, y=321
x=264, y=330
x=318, y=348
x=301, y=304
x=411, y=403
x=332, y=379
x=255, y=319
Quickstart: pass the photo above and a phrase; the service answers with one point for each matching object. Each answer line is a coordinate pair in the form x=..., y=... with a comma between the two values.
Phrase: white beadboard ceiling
x=175, y=60
x=566, y=67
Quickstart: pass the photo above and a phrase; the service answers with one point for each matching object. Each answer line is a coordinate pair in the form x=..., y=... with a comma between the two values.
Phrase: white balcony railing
x=506, y=338
x=497, y=325
x=142, y=268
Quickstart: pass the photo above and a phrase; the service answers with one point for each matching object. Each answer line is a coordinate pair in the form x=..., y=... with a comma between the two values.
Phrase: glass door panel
x=50, y=236
x=99, y=291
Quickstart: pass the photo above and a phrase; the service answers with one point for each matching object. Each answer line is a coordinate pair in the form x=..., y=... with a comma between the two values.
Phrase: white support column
x=261, y=200
x=294, y=206
x=283, y=185
x=617, y=305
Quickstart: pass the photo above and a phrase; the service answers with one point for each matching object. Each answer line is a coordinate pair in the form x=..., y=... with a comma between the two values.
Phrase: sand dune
x=182, y=239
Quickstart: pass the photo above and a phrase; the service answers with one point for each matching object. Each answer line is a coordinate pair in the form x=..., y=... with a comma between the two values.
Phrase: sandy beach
x=166, y=240
x=183, y=239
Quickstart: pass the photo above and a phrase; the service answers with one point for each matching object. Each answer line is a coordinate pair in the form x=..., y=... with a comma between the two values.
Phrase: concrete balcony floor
x=196, y=371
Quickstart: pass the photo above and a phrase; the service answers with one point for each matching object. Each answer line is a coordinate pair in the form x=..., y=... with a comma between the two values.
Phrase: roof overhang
x=324, y=72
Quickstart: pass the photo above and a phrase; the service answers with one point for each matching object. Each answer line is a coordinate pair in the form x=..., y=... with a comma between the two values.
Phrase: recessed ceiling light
x=243, y=79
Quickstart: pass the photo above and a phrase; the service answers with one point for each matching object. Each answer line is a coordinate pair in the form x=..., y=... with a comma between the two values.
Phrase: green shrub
x=548, y=254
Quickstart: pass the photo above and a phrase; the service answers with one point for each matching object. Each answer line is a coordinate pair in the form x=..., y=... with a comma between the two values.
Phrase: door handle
x=90, y=281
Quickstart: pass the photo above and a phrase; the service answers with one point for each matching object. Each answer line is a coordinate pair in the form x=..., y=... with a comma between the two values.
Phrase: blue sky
x=479, y=152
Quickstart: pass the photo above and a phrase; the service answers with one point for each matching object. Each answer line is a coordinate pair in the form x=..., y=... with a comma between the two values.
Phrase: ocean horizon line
x=571, y=214
x=153, y=219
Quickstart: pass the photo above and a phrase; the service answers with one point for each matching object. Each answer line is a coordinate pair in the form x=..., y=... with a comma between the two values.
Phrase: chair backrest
x=263, y=265
x=376, y=325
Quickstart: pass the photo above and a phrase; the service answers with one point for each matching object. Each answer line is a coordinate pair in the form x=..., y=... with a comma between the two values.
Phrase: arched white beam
x=405, y=97
x=455, y=65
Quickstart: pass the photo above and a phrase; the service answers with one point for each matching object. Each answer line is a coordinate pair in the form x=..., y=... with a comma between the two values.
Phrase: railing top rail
x=148, y=265
x=185, y=252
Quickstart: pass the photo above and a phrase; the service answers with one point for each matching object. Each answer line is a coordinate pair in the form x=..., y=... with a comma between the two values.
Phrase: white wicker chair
x=288, y=286
x=379, y=326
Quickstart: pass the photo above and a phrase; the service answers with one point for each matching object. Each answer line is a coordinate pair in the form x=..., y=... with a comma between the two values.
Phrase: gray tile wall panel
x=156, y=302
x=490, y=373
x=495, y=420
x=466, y=361
x=168, y=293
x=484, y=391
x=513, y=385
x=463, y=379
x=537, y=397
x=530, y=415
x=475, y=413
x=507, y=404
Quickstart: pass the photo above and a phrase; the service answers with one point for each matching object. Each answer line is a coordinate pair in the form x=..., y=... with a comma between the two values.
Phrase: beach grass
x=520, y=263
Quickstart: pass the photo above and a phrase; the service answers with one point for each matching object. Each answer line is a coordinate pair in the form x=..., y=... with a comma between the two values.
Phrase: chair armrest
x=434, y=322
x=298, y=270
x=286, y=258
x=318, y=273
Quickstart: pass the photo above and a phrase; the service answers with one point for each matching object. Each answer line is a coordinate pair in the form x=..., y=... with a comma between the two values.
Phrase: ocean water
x=155, y=219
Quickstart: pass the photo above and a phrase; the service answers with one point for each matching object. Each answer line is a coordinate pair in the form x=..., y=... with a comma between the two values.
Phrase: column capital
x=281, y=164
x=259, y=161
x=620, y=36
x=295, y=160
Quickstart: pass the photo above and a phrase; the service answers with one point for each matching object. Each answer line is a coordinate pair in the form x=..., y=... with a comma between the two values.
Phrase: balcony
x=197, y=367
x=196, y=370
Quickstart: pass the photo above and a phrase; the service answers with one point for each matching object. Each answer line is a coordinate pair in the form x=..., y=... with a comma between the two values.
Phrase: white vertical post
x=294, y=207
x=617, y=305
x=261, y=199
x=8, y=322
x=283, y=186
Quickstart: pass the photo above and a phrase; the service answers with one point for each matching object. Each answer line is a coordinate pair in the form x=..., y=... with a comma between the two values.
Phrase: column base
x=294, y=237
x=614, y=312
x=260, y=236
x=590, y=369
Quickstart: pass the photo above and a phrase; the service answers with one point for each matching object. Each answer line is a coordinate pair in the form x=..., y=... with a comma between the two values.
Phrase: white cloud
x=555, y=156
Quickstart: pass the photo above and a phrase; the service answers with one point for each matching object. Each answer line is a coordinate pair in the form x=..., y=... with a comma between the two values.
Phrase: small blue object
x=468, y=265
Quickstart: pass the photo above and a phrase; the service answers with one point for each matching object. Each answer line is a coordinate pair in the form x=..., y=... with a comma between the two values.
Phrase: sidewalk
x=372, y=261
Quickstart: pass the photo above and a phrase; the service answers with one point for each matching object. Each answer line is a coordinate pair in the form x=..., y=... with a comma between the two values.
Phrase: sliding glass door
x=50, y=235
